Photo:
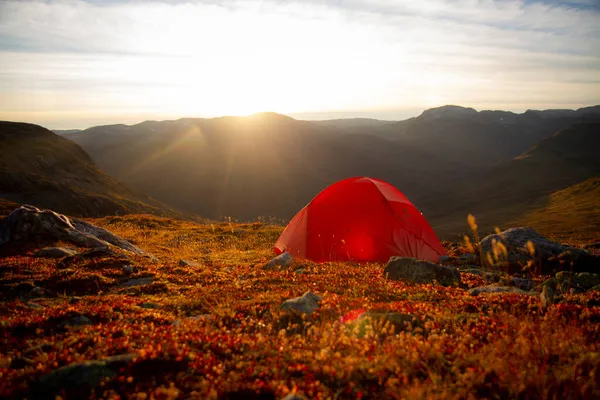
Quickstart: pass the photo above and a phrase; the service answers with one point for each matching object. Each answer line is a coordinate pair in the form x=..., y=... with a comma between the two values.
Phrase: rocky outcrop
x=510, y=251
x=28, y=223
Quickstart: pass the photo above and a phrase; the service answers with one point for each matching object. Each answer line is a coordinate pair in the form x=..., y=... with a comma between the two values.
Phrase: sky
x=74, y=64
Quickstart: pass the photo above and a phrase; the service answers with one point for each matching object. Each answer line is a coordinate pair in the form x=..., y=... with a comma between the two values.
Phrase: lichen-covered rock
x=417, y=271
x=29, y=223
x=546, y=256
x=305, y=304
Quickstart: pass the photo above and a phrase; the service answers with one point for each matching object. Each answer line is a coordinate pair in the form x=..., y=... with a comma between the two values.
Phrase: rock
x=186, y=263
x=443, y=259
x=149, y=305
x=581, y=281
x=36, y=292
x=34, y=306
x=74, y=319
x=416, y=271
x=283, y=260
x=74, y=300
x=127, y=269
x=490, y=276
x=305, y=304
x=24, y=288
x=55, y=252
x=586, y=280
x=294, y=396
x=400, y=322
x=145, y=280
x=548, y=255
x=467, y=258
x=21, y=362
x=547, y=296
x=521, y=283
x=81, y=375
x=497, y=289
x=28, y=223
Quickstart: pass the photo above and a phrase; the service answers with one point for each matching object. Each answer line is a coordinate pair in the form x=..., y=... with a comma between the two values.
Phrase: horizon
x=343, y=116
x=76, y=64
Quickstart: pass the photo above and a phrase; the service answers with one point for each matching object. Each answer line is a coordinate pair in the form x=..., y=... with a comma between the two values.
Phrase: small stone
x=55, y=252
x=443, y=259
x=400, y=322
x=305, y=304
x=149, y=305
x=75, y=300
x=294, y=396
x=36, y=292
x=146, y=280
x=547, y=296
x=34, y=306
x=74, y=319
x=21, y=362
x=127, y=269
x=187, y=263
x=24, y=287
x=281, y=261
x=497, y=289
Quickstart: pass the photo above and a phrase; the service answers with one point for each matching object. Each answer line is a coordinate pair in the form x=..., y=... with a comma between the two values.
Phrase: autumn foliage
x=211, y=328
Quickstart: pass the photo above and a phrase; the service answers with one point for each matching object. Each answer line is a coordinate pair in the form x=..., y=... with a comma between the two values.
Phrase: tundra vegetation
x=204, y=320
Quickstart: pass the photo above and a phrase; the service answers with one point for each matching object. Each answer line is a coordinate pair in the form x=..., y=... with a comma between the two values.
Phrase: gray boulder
x=283, y=260
x=28, y=223
x=55, y=252
x=547, y=257
x=417, y=271
x=305, y=304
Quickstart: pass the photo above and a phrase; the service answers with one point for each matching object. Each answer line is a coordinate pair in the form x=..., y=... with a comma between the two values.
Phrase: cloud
x=201, y=57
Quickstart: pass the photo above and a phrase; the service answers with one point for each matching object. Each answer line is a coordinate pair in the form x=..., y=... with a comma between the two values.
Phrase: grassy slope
x=43, y=169
x=572, y=213
x=218, y=333
x=510, y=192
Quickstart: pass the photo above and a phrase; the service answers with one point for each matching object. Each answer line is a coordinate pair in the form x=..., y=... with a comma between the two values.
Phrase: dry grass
x=218, y=332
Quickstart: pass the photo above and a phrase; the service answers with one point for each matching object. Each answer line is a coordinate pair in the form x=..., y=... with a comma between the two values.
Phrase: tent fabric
x=359, y=219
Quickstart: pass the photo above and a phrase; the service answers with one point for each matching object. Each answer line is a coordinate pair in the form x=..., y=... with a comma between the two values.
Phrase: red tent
x=359, y=219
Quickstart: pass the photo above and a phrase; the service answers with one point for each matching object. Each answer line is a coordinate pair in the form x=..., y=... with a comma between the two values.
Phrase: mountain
x=63, y=132
x=272, y=165
x=519, y=186
x=41, y=168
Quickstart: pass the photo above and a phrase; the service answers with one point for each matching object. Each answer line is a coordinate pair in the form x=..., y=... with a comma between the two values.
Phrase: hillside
x=571, y=213
x=272, y=165
x=41, y=168
x=517, y=187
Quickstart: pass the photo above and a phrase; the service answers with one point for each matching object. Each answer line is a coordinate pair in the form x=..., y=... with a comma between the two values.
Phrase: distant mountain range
x=41, y=168
x=449, y=160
